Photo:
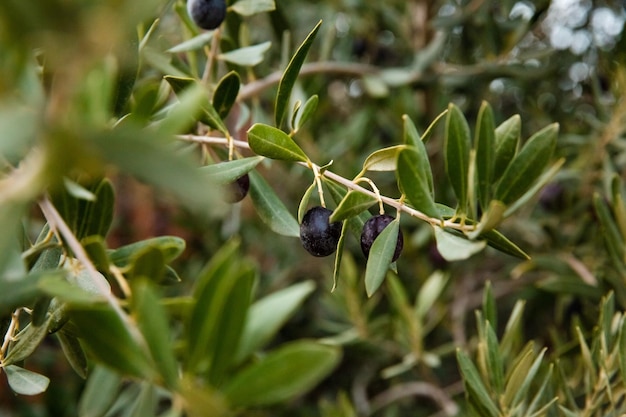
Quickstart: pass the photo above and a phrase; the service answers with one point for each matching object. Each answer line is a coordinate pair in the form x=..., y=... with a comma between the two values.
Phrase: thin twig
x=349, y=184
x=345, y=68
x=56, y=222
x=412, y=389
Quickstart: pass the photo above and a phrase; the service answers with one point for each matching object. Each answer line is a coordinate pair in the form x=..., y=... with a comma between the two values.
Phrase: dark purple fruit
x=207, y=14
x=318, y=236
x=238, y=189
x=372, y=228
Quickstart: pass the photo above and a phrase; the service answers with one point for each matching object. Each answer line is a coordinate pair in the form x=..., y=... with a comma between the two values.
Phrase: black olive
x=318, y=236
x=207, y=14
x=238, y=189
x=372, y=228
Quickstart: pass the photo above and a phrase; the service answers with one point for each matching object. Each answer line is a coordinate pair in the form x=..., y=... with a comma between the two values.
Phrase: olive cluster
x=320, y=237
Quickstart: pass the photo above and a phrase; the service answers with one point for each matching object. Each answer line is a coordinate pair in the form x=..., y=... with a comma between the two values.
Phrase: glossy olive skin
x=207, y=14
x=372, y=228
x=238, y=189
x=318, y=236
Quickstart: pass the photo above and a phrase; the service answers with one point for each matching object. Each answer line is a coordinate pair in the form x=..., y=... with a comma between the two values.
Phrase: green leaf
x=352, y=204
x=485, y=152
x=456, y=247
x=507, y=141
x=267, y=315
x=153, y=158
x=383, y=159
x=100, y=392
x=153, y=324
x=98, y=215
x=475, y=388
x=500, y=242
x=613, y=239
x=457, y=154
x=415, y=180
x=25, y=382
x=430, y=292
x=380, y=256
x=225, y=93
x=338, y=193
x=489, y=305
x=195, y=43
x=289, y=371
x=269, y=207
x=251, y=7
x=527, y=165
x=493, y=359
x=114, y=344
x=431, y=128
x=306, y=112
x=216, y=323
x=170, y=246
x=339, y=255
x=228, y=171
x=73, y=352
x=410, y=135
x=304, y=202
x=28, y=340
x=274, y=143
x=183, y=86
x=19, y=292
x=290, y=76
x=248, y=56
x=182, y=115
x=231, y=325
x=78, y=191
x=544, y=179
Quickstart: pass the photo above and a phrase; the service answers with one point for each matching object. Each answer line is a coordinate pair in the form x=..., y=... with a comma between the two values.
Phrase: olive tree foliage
x=444, y=115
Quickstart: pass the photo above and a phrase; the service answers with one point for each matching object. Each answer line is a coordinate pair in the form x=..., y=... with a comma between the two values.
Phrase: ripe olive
x=318, y=236
x=238, y=189
x=207, y=14
x=372, y=228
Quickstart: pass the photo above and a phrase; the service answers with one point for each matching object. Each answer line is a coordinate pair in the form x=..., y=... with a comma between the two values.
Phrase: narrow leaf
x=454, y=247
x=228, y=171
x=251, y=7
x=457, y=154
x=100, y=392
x=114, y=343
x=73, y=352
x=290, y=76
x=248, y=56
x=474, y=386
x=267, y=315
x=153, y=324
x=380, y=257
x=352, y=204
x=383, y=159
x=25, y=382
x=306, y=112
x=225, y=93
x=485, y=152
x=274, y=143
x=287, y=372
x=507, y=140
x=527, y=165
x=269, y=207
x=415, y=179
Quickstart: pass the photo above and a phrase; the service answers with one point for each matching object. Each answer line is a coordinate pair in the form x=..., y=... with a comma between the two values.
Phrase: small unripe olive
x=238, y=189
x=207, y=14
x=372, y=228
x=318, y=236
